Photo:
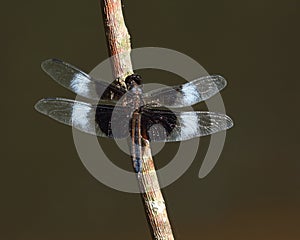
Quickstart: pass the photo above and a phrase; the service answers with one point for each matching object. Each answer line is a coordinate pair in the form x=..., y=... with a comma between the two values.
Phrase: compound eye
x=133, y=78
x=138, y=79
x=128, y=80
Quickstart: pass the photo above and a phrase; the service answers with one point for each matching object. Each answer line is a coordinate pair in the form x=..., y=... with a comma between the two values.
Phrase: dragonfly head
x=133, y=81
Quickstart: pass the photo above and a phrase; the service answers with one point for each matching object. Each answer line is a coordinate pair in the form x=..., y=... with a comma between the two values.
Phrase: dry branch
x=118, y=40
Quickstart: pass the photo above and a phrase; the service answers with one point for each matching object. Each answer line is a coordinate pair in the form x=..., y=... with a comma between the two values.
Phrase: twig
x=119, y=47
x=118, y=39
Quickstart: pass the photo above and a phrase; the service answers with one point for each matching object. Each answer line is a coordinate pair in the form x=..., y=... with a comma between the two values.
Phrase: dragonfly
x=128, y=112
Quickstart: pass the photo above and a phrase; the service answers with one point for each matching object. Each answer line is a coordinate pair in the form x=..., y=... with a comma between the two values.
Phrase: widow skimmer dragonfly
x=140, y=116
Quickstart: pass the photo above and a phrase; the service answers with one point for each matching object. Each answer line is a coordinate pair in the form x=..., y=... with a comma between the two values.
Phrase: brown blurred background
x=252, y=193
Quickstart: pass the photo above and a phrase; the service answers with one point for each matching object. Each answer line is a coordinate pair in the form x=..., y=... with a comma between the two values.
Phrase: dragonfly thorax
x=134, y=86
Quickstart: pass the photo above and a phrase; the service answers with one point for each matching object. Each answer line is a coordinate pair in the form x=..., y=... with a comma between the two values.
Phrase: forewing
x=187, y=94
x=79, y=82
x=171, y=126
x=92, y=119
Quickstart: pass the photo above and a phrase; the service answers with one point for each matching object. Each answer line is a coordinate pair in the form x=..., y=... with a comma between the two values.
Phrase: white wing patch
x=81, y=85
x=190, y=94
x=82, y=117
x=189, y=126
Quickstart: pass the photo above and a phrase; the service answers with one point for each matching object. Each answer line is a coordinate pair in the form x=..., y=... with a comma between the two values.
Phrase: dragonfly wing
x=92, y=119
x=79, y=82
x=168, y=126
x=187, y=94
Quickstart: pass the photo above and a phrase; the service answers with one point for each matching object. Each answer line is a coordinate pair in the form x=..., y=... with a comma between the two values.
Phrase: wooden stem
x=153, y=199
x=118, y=40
